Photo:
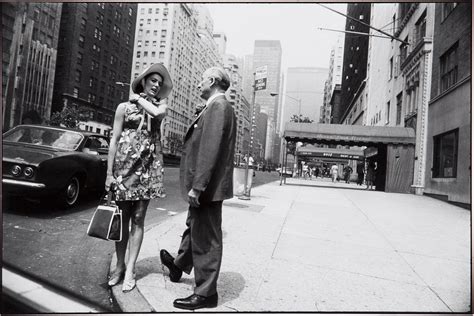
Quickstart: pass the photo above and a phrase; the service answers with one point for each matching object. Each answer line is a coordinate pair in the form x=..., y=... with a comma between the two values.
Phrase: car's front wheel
x=70, y=192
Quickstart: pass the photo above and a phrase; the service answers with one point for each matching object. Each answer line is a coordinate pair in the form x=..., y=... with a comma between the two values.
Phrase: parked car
x=286, y=172
x=53, y=162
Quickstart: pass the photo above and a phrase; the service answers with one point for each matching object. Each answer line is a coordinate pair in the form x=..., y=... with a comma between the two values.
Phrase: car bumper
x=19, y=187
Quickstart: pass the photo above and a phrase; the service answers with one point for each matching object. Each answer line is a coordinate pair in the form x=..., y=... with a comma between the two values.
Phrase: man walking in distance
x=206, y=180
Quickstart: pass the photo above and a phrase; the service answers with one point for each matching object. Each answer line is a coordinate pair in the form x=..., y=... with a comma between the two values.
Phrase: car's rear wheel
x=70, y=193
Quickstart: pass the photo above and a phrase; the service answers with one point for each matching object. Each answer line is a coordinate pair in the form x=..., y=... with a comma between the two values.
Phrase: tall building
x=448, y=163
x=238, y=101
x=334, y=78
x=354, y=68
x=94, y=53
x=304, y=92
x=30, y=34
x=268, y=53
x=180, y=37
x=246, y=65
x=221, y=41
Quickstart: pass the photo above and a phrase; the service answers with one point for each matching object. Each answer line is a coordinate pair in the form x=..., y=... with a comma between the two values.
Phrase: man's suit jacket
x=207, y=163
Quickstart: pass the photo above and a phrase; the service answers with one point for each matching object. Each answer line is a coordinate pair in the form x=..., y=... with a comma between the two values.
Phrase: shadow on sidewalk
x=230, y=285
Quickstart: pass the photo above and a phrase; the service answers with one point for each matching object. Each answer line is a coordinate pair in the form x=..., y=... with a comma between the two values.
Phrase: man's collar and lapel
x=208, y=102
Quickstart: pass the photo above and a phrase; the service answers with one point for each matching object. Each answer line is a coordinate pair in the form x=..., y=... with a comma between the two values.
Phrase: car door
x=97, y=147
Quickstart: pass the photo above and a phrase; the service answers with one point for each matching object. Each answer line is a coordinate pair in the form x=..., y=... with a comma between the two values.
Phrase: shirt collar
x=212, y=97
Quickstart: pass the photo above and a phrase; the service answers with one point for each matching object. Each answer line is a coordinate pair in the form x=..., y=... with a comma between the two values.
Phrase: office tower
x=94, y=53
x=304, y=92
x=240, y=105
x=180, y=37
x=221, y=41
x=354, y=68
x=268, y=53
x=30, y=39
x=334, y=78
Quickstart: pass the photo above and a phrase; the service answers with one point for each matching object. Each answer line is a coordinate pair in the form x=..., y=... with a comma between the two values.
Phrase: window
x=449, y=68
x=446, y=9
x=157, y=10
x=79, y=58
x=75, y=92
x=445, y=155
x=399, y=108
x=130, y=11
x=162, y=55
x=138, y=54
x=145, y=54
x=420, y=28
x=390, y=68
x=78, y=76
x=403, y=51
x=387, y=113
x=83, y=24
x=81, y=41
x=155, y=32
x=150, y=11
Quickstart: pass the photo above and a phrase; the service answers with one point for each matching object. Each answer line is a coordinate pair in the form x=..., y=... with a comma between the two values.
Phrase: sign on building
x=261, y=78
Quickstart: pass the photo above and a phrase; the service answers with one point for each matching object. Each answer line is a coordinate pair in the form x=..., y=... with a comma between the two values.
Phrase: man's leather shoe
x=196, y=301
x=168, y=261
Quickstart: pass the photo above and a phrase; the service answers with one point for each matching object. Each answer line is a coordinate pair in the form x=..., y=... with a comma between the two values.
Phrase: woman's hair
x=221, y=76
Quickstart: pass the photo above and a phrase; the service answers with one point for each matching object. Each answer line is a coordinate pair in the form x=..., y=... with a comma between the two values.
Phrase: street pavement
x=318, y=246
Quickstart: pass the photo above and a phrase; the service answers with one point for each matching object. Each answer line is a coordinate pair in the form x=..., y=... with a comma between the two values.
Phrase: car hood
x=34, y=155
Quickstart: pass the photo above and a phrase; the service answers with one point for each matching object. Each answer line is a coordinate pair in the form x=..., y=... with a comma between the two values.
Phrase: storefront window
x=445, y=155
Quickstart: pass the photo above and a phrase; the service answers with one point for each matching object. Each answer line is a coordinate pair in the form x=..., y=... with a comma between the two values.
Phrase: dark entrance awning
x=353, y=135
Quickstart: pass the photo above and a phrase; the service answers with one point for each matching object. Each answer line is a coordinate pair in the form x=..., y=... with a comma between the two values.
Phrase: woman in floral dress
x=135, y=164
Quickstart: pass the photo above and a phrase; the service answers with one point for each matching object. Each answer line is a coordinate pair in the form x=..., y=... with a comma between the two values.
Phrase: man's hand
x=193, y=196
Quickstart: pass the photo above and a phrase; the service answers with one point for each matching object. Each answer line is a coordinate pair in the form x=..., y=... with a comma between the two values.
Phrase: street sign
x=261, y=78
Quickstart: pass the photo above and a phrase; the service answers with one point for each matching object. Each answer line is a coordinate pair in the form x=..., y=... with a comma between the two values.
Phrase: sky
x=295, y=25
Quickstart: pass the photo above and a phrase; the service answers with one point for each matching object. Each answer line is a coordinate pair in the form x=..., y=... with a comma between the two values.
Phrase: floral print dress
x=137, y=168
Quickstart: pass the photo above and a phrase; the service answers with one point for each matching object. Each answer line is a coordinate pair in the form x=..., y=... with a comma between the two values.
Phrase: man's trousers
x=201, y=246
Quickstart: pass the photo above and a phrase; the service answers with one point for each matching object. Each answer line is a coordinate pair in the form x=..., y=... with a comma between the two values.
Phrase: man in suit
x=206, y=180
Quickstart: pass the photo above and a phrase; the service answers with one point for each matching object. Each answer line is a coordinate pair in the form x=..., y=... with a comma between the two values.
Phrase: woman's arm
x=155, y=111
x=117, y=131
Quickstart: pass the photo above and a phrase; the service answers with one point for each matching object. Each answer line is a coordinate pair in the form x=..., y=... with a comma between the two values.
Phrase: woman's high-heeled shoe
x=129, y=284
x=116, y=277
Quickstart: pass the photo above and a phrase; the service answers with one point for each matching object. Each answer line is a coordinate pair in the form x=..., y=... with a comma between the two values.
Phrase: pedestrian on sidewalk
x=370, y=175
x=334, y=169
x=347, y=173
x=360, y=172
x=134, y=164
x=206, y=180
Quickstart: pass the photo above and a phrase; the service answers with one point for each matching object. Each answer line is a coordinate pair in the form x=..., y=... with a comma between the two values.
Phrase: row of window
x=157, y=11
x=164, y=21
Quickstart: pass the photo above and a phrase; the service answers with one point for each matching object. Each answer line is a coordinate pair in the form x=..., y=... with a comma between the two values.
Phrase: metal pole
x=282, y=160
x=246, y=195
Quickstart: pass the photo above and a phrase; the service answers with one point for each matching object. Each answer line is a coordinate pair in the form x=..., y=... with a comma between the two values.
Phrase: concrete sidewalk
x=309, y=246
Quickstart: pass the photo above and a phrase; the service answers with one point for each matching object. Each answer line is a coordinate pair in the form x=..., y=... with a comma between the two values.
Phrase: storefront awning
x=354, y=135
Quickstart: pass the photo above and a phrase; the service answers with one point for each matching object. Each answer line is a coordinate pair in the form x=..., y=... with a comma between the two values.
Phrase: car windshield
x=44, y=136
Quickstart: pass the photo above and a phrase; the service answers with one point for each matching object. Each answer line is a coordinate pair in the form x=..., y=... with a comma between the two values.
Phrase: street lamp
x=273, y=94
x=284, y=154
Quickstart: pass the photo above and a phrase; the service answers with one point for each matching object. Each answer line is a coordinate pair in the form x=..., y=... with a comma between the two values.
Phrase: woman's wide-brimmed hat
x=160, y=69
